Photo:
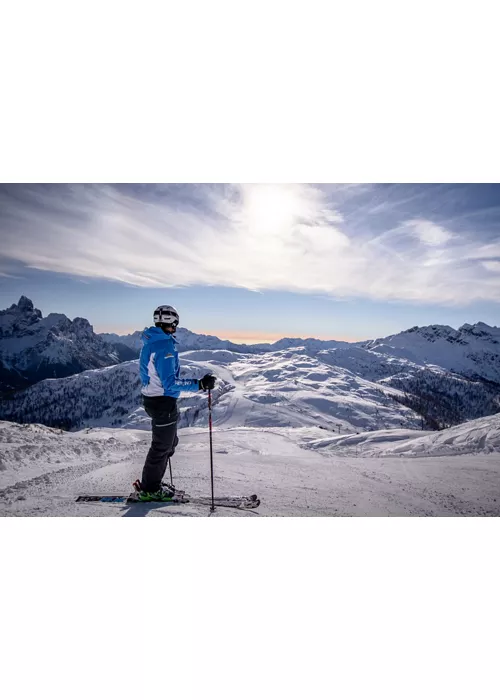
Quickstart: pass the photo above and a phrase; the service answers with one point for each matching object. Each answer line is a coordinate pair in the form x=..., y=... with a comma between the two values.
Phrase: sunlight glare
x=272, y=208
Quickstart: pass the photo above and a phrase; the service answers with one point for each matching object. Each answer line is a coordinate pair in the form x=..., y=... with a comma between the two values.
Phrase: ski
x=239, y=502
x=131, y=498
x=101, y=499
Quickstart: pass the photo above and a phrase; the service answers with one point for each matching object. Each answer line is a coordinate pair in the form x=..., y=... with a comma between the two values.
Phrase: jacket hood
x=154, y=334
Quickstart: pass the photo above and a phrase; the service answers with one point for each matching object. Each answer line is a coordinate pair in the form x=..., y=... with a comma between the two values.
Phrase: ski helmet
x=167, y=315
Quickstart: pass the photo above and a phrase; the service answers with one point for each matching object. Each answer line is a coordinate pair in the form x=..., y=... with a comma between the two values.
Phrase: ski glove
x=207, y=382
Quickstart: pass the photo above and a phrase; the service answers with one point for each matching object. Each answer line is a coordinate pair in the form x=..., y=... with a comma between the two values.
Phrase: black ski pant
x=164, y=415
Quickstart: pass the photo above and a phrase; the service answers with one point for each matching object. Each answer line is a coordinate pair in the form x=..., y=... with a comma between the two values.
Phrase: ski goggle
x=168, y=318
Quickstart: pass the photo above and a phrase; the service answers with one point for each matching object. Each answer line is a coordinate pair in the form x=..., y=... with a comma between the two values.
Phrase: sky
x=255, y=262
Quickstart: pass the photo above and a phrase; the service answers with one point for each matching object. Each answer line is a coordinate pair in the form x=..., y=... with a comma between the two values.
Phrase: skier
x=161, y=386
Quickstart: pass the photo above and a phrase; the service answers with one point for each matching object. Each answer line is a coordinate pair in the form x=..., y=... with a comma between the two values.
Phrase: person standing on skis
x=161, y=386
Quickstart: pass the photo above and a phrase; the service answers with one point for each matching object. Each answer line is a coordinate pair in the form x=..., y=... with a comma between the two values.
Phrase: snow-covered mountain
x=441, y=396
x=132, y=341
x=310, y=344
x=473, y=350
x=342, y=390
x=430, y=377
x=286, y=388
x=188, y=340
x=33, y=347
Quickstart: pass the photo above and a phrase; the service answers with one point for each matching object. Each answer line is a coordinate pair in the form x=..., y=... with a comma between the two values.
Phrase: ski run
x=294, y=471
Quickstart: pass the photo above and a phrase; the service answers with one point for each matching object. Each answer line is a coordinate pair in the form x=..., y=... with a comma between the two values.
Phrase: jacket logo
x=168, y=355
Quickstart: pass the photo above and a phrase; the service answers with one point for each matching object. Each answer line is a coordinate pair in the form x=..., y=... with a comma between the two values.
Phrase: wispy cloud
x=300, y=238
x=430, y=233
x=492, y=265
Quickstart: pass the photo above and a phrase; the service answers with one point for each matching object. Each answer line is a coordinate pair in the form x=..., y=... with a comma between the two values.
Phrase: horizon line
x=238, y=337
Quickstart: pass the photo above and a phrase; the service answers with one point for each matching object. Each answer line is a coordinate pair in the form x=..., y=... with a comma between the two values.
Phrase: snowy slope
x=289, y=480
x=478, y=436
x=33, y=348
x=285, y=388
x=30, y=451
x=314, y=429
x=473, y=437
x=288, y=388
x=107, y=397
x=441, y=396
x=446, y=376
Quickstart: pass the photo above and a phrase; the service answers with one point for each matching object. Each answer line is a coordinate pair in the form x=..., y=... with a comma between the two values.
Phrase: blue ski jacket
x=159, y=366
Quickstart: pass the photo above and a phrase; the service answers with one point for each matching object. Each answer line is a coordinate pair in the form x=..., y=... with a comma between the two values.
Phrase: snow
x=31, y=450
x=309, y=437
x=481, y=435
x=473, y=350
x=285, y=388
x=290, y=480
x=473, y=437
x=313, y=427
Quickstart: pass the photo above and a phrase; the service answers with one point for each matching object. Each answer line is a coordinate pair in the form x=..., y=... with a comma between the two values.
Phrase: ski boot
x=166, y=492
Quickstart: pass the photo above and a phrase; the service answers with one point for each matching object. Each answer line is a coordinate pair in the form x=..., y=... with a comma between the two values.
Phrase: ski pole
x=212, y=507
x=170, y=465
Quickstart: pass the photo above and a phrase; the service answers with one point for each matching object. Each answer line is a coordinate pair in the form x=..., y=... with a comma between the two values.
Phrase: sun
x=271, y=208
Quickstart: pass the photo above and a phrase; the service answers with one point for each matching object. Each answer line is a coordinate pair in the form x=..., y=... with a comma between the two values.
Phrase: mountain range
x=432, y=377
x=472, y=351
x=33, y=348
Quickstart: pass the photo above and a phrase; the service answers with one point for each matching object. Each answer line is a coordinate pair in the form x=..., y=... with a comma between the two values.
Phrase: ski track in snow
x=290, y=480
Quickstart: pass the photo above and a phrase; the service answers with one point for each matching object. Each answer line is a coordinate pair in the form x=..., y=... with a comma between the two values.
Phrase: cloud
x=490, y=250
x=259, y=237
x=429, y=233
x=492, y=265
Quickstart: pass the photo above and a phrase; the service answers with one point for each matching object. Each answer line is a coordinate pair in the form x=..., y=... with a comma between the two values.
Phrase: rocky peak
x=437, y=331
x=25, y=307
x=479, y=329
x=33, y=348
x=19, y=318
x=24, y=304
x=81, y=325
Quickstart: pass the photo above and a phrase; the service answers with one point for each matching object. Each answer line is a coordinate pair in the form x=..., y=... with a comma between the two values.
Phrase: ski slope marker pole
x=212, y=507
